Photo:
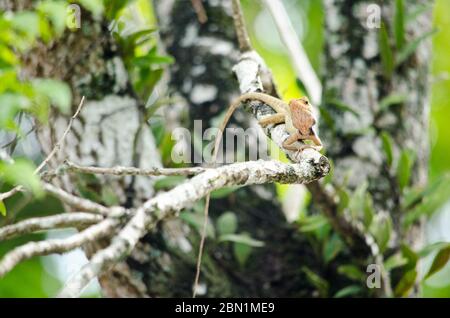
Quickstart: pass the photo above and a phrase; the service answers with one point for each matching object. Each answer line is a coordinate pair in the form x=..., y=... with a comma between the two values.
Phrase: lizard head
x=300, y=104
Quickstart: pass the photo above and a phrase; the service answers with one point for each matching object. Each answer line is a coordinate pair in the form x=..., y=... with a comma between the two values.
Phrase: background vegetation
x=42, y=277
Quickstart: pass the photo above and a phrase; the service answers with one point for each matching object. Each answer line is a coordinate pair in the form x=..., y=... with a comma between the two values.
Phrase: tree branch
x=132, y=171
x=77, y=202
x=311, y=166
x=73, y=219
x=31, y=249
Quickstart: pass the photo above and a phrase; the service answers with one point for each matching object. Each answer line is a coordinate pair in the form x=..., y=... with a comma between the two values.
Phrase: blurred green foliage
x=19, y=32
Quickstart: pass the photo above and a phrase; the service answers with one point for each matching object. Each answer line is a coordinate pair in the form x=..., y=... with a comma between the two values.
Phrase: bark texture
x=354, y=75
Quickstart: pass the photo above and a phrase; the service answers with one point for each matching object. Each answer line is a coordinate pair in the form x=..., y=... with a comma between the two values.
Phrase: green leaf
x=21, y=172
x=352, y=272
x=394, y=261
x=412, y=46
x=56, y=12
x=151, y=59
x=439, y=261
x=404, y=167
x=391, y=100
x=317, y=281
x=348, y=291
x=168, y=182
x=381, y=229
x=58, y=92
x=242, y=239
x=109, y=196
x=11, y=104
x=344, y=200
x=223, y=192
x=96, y=6
x=332, y=247
x=387, y=147
x=399, y=23
x=26, y=22
x=227, y=223
x=242, y=252
x=138, y=36
x=112, y=8
x=2, y=208
x=357, y=201
x=429, y=201
x=387, y=58
x=369, y=210
x=196, y=221
x=405, y=284
x=342, y=106
x=410, y=256
x=433, y=247
x=313, y=223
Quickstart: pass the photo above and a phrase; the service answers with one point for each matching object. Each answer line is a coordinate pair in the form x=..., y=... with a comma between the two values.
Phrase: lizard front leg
x=278, y=118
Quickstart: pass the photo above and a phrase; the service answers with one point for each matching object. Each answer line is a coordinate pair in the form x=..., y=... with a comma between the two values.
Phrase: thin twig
x=73, y=219
x=241, y=30
x=77, y=202
x=200, y=11
x=127, y=171
x=11, y=192
x=56, y=148
x=60, y=142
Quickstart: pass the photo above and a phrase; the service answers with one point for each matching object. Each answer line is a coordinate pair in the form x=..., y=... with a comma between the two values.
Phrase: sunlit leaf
x=21, y=172
x=56, y=12
x=58, y=92
x=395, y=261
x=2, y=208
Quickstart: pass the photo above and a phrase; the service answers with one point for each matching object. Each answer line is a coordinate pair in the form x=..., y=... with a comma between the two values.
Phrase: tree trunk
x=111, y=131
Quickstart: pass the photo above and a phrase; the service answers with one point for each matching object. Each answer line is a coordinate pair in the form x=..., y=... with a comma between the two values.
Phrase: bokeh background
x=42, y=277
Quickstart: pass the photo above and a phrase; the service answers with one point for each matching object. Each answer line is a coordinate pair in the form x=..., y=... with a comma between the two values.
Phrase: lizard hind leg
x=288, y=143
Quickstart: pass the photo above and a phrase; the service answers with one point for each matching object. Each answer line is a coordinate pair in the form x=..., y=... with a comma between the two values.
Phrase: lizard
x=299, y=120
